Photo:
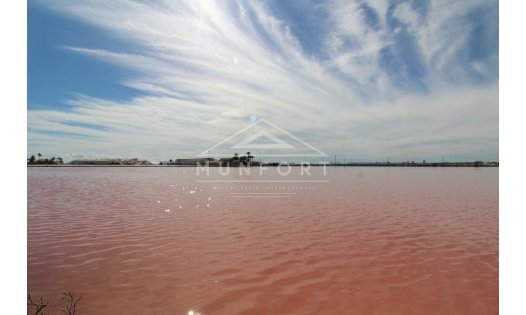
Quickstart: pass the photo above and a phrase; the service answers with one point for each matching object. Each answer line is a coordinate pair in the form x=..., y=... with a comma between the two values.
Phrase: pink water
x=356, y=241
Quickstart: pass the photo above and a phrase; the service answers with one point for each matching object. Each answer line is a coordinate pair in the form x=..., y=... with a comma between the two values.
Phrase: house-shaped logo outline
x=277, y=142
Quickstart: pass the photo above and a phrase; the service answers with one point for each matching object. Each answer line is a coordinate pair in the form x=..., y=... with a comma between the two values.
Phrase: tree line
x=33, y=160
x=244, y=159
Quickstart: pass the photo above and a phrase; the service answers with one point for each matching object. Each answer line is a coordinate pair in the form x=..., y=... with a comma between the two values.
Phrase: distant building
x=233, y=161
x=195, y=161
x=133, y=161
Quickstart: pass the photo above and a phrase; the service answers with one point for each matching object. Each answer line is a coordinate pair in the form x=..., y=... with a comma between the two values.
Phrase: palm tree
x=31, y=160
x=249, y=157
x=60, y=161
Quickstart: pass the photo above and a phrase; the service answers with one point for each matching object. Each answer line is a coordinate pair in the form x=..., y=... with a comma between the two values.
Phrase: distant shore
x=445, y=164
x=239, y=161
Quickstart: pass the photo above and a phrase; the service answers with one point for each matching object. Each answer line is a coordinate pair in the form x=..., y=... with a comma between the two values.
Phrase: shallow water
x=353, y=241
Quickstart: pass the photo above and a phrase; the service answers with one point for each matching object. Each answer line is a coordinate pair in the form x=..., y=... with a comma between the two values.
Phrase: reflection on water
x=368, y=241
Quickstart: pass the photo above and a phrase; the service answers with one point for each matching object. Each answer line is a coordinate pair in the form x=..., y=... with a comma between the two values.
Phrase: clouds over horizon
x=369, y=80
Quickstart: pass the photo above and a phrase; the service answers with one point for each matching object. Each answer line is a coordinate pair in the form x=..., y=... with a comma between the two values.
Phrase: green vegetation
x=32, y=160
x=245, y=159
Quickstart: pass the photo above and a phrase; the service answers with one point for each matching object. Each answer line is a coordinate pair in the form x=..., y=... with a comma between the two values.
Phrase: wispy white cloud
x=204, y=66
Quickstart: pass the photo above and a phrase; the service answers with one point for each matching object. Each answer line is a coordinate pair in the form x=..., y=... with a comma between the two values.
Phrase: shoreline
x=456, y=165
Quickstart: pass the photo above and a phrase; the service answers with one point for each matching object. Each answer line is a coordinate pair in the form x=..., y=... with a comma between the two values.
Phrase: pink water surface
x=356, y=240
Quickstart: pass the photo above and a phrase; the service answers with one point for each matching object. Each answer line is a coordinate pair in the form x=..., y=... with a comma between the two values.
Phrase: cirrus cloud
x=407, y=80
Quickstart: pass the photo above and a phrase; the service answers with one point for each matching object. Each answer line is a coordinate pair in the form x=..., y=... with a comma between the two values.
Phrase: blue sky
x=367, y=80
